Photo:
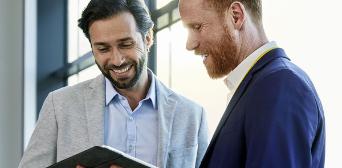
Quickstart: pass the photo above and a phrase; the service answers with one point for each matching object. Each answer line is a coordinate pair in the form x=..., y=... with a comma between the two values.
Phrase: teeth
x=204, y=57
x=121, y=70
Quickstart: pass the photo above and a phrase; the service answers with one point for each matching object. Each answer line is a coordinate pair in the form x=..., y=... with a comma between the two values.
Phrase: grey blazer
x=71, y=120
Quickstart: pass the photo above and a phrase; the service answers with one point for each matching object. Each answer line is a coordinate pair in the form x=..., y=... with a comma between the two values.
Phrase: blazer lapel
x=95, y=108
x=225, y=116
x=268, y=57
x=166, y=109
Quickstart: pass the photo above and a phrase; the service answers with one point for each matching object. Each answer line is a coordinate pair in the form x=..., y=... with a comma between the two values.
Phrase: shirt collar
x=110, y=91
x=235, y=77
x=151, y=94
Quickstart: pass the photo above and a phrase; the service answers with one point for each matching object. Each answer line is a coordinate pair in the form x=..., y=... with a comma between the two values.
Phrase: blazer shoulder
x=75, y=94
x=77, y=88
x=282, y=77
x=284, y=68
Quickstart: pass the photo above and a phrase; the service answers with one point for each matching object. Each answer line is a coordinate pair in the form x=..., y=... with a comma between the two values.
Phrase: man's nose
x=117, y=58
x=192, y=42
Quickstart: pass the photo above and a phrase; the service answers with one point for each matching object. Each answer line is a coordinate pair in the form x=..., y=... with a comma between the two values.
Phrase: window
x=78, y=44
x=162, y=3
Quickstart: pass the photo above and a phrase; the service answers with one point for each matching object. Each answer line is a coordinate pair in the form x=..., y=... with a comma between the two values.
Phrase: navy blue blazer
x=274, y=120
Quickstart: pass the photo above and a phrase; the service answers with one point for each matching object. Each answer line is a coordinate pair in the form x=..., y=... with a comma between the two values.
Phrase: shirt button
x=130, y=118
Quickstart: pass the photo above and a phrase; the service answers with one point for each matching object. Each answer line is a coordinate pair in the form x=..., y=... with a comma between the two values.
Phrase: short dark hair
x=254, y=6
x=103, y=9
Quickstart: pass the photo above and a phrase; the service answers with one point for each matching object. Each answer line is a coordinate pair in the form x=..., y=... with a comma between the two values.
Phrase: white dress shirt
x=133, y=132
x=235, y=77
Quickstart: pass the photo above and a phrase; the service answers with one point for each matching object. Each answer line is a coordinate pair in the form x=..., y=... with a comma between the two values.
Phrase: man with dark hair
x=126, y=107
x=274, y=118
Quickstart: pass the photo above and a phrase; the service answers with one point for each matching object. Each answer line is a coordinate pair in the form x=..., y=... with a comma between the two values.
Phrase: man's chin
x=122, y=86
x=215, y=74
x=122, y=83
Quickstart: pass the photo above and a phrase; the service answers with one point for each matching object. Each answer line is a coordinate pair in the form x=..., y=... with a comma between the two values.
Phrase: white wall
x=11, y=82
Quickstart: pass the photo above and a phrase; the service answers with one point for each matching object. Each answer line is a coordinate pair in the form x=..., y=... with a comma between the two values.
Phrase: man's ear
x=237, y=13
x=149, y=39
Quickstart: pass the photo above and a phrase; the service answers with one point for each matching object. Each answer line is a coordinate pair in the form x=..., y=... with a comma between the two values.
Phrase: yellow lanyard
x=259, y=57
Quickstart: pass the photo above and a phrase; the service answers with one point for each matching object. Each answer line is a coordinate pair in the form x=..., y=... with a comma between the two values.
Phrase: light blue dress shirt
x=133, y=132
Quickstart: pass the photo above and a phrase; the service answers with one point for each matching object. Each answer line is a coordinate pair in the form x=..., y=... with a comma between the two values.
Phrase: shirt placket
x=131, y=130
x=131, y=136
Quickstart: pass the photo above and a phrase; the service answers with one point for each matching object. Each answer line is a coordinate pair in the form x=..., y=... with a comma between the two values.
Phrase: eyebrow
x=126, y=39
x=190, y=25
x=120, y=40
x=100, y=44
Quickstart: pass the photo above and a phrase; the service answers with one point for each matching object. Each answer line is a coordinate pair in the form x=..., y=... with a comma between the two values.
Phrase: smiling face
x=211, y=36
x=119, y=50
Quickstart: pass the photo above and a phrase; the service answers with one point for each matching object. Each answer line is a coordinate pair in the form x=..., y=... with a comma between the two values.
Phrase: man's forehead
x=120, y=20
x=193, y=7
x=193, y=3
x=122, y=25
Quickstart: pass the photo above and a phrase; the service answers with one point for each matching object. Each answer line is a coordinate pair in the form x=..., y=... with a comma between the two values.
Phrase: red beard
x=222, y=56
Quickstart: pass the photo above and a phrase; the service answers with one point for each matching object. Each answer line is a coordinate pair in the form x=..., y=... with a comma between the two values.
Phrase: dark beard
x=138, y=68
x=224, y=56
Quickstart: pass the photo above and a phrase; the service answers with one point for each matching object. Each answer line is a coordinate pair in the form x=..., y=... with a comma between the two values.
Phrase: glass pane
x=78, y=44
x=83, y=42
x=72, y=30
x=82, y=4
x=163, y=20
x=175, y=14
x=88, y=73
x=162, y=3
x=72, y=80
x=163, y=56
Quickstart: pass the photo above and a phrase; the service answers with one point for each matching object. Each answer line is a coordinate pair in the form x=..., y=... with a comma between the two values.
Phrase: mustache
x=202, y=52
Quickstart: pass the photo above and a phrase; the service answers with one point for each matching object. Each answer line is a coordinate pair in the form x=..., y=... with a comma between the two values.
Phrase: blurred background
x=42, y=49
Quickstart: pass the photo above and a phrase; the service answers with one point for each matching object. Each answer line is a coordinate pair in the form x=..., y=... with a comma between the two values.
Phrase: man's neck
x=138, y=92
x=254, y=39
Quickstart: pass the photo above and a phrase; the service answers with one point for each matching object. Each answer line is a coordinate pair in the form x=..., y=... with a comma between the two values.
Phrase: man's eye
x=196, y=27
x=126, y=45
x=102, y=49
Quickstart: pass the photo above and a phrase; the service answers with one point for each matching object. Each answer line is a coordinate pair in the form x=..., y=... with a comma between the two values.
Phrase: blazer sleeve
x=203, y=140
x=282, y=121
x=41, y=150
